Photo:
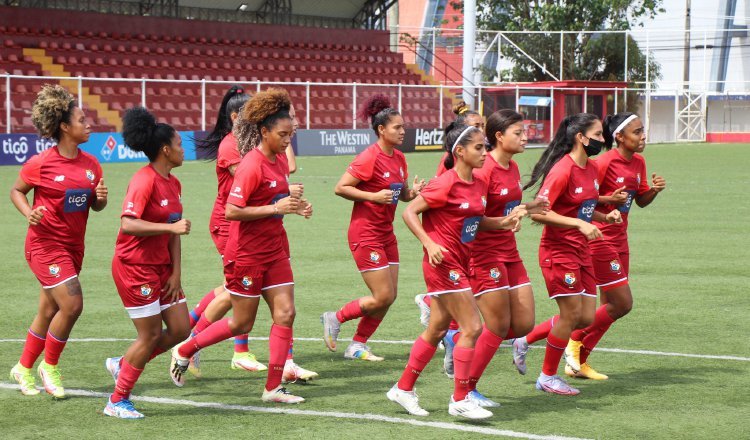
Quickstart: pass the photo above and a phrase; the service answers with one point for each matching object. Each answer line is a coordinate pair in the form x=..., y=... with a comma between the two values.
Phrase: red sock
x=197, y=312
x=240, y=344
x=510, y=335
x=52, y=348
x=278, y=347
x=125, y=381
x=202, y=324
x=215, y=333
x=453, y=325
x=420, y=356
x=541, y=330
x=553, y=354
x=365, y=329
x=351, y=310
x=462, y=359
x=290, y=353
x=485, y=348
x=157, y=351
x=602, y=323
x=33, y=347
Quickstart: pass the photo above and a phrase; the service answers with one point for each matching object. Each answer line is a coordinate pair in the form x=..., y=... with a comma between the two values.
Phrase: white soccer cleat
x=468, y=409
x=123, y=409
x=424, y=309
x=520, y=348
x=358, y=350
x=407, y=399
x=178, y=367
x=555, y=385
x=280, y=395
x=482, y=400
x=331, y=329
x=113, y=366
x=295, y=373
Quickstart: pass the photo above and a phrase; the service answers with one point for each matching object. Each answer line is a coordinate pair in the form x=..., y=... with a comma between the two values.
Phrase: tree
x=586, y=56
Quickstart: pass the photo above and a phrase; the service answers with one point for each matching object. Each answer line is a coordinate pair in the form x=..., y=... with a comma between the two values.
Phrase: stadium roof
x=318, y=8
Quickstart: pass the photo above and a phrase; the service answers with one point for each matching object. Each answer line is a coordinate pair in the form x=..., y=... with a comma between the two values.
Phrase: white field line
x=409, y=342
x=323, y=414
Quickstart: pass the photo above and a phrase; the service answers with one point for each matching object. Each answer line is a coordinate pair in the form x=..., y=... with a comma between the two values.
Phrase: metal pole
x=676, y=115
x=686, y=50
x=257, y=86
x=705, y=50
x=432, y=63
x=143, y=93
x=470, y=24
x=203, y=104
x=307, y=105
x=7, y=103
x=80, y=92
x=400, y=110
x=551, y=113
x=648, y=111
x=585, y=100
x=499, y=55
x=441, y=107
x=479, y=101
x=648, y=56
x=561, y=56
x=627, y=37
x=615, y=109
x=518, y=96
x=354, y=106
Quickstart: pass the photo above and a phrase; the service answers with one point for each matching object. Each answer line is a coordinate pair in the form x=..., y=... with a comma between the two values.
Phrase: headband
x=466, y=130
x=623, y=124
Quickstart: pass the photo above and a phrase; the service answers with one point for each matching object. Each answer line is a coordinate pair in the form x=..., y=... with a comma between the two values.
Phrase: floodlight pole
x=470, y=28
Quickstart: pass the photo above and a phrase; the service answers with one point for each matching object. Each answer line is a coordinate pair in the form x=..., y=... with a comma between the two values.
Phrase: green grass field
x=690, y=281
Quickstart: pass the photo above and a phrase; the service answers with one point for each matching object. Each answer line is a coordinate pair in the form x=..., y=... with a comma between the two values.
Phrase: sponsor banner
x=333, y=142
x=106, y=147
x=424, y=139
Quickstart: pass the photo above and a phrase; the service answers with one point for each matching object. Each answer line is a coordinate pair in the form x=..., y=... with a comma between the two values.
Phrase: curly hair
x=462, y=111
x=141, y=132
x=262, y=110
x=52, y=107
x=377, y=109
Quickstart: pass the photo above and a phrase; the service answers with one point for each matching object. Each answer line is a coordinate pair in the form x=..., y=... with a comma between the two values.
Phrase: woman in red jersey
x=570, y=184
x=376, y=180
x=67, y=182
x=622, y=180
x=464, y=116
x=256, y=260
x=147, y=263
x=452, y=207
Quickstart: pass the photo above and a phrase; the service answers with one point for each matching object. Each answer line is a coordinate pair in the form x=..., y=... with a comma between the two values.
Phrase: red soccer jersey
x=153, y=198
x=227, y=156
x=573, y=192
x=441, y=166
x=258, y=182
x=456, y=208
x=614, y=173
x=503, y=194
x=376, y=171
x=66, y=187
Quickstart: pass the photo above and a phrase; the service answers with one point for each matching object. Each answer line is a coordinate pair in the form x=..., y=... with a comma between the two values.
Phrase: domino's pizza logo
x=108, y=148
x=146, y=290
x=247, y=282
x=54, y=270
x=495, y=273
x=77, y=200
x=570, y=279
x=374, y=256
x=614, y=265
x=454, y=276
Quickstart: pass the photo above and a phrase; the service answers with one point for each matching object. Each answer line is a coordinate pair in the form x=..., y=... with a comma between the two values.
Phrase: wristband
x=275, y=210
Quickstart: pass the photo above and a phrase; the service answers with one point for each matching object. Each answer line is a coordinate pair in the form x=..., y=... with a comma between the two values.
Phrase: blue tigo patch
x=174, y=217
x=77, y=200
x=586, y=212
x=396, y=188
x=469, y=229
x=509, y=207
x=275, y=199
x=625, y=207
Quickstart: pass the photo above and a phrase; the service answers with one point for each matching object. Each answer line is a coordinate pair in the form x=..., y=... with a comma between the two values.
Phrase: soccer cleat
x=573, y=354
x=246, y=361
x=586, y=372
x=194, y=365
x=331, y=328
x=280, y=395
x=448, y=358
x=113, y=366
x=295, y=373
x=468, y=409
x=123, y=409
x=481, y=400
x=407, y=399
x=178, y=366
x=424, y=309
x=555, y=385
x=25, y=378
x=358, y=350
x=51, y=379
x=520, y=348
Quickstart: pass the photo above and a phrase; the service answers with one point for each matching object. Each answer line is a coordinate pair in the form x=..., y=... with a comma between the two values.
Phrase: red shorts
x=610, y=267
x=141, y=287
x=220, y=236
x=486, y=277
x=565, y=278
x=253, y=280
x=375, y=256
x=448, y=277
x=54, y=265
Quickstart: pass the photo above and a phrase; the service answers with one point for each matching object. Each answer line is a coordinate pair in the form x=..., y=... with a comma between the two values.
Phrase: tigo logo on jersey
x=570, y=279
x=374, y=256
x=454, y=276
x=59, y=178
x=247, y=282
x=470, y=228
x=586, y=212
x=614, y=265
x=146, y=290
x=76, y=200
x=495, y=273
x=54, y=270
x=90, y=175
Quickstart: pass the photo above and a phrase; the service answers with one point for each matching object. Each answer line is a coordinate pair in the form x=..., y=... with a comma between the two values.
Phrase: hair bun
x=374, y=105
x=138, y=126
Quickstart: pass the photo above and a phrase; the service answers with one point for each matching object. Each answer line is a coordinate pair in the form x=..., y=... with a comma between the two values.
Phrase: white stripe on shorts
x=277, y=285
x=144, y=311
x=613, y=282
x=442, y=292
x=164, y=307
x=60, y=283
x=490, y=290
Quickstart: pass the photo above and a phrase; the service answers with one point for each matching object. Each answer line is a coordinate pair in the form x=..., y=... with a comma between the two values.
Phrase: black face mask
x=594, y=147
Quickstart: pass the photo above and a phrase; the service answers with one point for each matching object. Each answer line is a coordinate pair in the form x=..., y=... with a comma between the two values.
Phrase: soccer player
x=468, y=117
x=147, y=263
x=375, y=181
x=256, y=259
x=570, y=184
x=622, y=179
x=452, y=206
x=67, y=182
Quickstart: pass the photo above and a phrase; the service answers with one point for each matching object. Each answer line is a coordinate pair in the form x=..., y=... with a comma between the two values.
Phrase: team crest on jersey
x=638, y=178
x=614, y=265
x=145, y=290
x=484, y=201
x=495, y=273
x=90, y=175
x=454, y=276
x=54, y=270
x=401, y=171
x=247, y=282
x=570, y=279
x=596, y=184
x=374, y=256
